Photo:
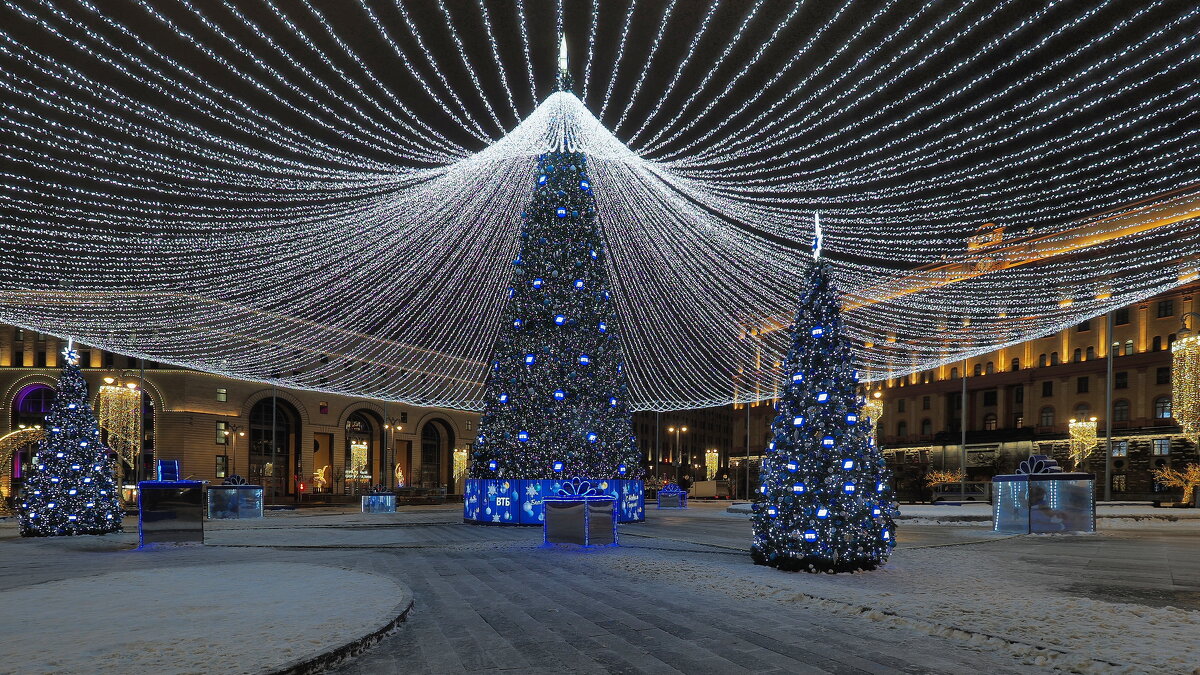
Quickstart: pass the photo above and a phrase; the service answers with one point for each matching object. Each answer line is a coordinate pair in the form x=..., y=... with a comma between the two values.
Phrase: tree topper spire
x=564, y=77
x=816, y=247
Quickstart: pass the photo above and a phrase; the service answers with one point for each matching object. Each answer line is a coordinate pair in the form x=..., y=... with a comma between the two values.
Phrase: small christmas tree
x=71, y=488
x=825, y=504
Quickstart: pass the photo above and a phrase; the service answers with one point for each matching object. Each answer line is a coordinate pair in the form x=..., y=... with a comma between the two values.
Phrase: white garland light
x=311, y=219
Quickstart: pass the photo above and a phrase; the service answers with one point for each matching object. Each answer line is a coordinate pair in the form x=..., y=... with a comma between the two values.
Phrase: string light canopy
x=327, y=196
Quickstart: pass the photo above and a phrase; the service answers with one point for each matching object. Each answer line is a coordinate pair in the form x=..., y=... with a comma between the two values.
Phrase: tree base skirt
x=814, y=565
x=493, y=501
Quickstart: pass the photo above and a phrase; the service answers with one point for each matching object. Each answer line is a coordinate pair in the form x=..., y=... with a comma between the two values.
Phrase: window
x=1166, y=308
x=1042, y=361
x=323, y=406
x=1047, y=417
x=1084, y=326
x=1083, y=411
x=1162, y=375
x=1081, y=385
x=1128, y=347
x=926, y=427
x=222, y=466
x=222, y=396
x=1048, y=388
x=925, y=402
x=978, y=369
x=1170, y=340
x=1077, y=355
x=1156, y=344
x=1121, y=316
x=1019, y=394
x=989, y=368
x=989, y=398
x=19, y=335
x=18, y=359
x=954, y=373
x=85, y=358
x=900, y=405
x=222, y=436
x=41, y=359
x=1162, y=407
x=1121, y=411
x=1161, y=446
x=1118, y=482
x=1054, y=359
x=989, y=422
x=108, y=360
x=1121, y=380
x=1091, y=353
x=1016, y=364
x=902, y=428
x=404, y=417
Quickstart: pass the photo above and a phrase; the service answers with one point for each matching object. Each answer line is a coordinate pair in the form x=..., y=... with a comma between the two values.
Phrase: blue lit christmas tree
x=71, y=488
x=557, y=392
x=825, y=503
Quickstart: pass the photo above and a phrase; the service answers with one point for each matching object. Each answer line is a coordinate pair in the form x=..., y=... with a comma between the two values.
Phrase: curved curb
x=327, y=659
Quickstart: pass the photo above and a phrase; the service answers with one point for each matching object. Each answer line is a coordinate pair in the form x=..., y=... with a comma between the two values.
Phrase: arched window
x=1162, y=407
x=274, y=435
x=1091, y=353
x=31, y=405
x=926, y=427
x=1128, y=347
x=902, y=428
x=1042, y=361
x=1121, y=410
x=1156, y=345
x=989, y=368
x=1016, y=364
x=978, y=369
x=1077, y=355
x=1046, y=418
x=437, y=445
x=989, y=422
x=1054, y=359
x=1083, y=411
x=361, y=458
x=1170, y=340
x=954, y=373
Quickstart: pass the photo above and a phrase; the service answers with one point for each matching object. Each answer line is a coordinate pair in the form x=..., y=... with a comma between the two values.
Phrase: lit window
x=222, y=436
x=222, y=396
x=989, y=422
x=1162, y=446
x=1162, y=407
x=1120, y=449
x=1118, y=484
x=1128, y=347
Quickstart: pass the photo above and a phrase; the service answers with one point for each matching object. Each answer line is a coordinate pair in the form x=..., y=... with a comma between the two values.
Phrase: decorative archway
x=14, y=447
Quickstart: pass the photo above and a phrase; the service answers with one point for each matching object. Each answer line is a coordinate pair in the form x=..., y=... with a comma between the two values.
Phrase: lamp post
x=678, y=465
x=1108, y=406
x=232, y=432
x=391, y=425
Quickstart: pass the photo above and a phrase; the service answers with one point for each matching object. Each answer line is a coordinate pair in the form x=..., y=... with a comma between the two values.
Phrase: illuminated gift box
x=1041, y=498
x=170, y=512
x=379, y=502
x=578, y=515
x=672, y=497
x=235, y=500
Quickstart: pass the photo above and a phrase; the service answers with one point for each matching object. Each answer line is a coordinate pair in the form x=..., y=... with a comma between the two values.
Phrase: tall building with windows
x=1020, y=400
x=301, y=442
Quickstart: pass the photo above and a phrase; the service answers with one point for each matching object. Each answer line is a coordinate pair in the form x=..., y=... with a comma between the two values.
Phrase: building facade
x=1020, y=400
x=297, y=443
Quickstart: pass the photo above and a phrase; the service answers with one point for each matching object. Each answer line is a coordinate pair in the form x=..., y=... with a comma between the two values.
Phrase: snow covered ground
x=229, y=618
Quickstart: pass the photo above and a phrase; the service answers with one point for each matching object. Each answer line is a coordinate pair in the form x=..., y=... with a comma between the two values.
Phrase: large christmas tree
x=71, y=488
x=557, y=391
x=825, y=502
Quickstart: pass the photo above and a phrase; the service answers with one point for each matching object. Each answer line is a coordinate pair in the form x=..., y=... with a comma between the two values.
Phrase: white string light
x=313, y=220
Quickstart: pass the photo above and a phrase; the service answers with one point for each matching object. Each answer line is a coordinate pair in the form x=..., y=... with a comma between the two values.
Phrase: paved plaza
x=680, y=595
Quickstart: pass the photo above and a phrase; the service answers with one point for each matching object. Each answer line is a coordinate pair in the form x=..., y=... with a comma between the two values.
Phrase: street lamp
x=391, y=425
x=678, y=464
x=232, y=433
